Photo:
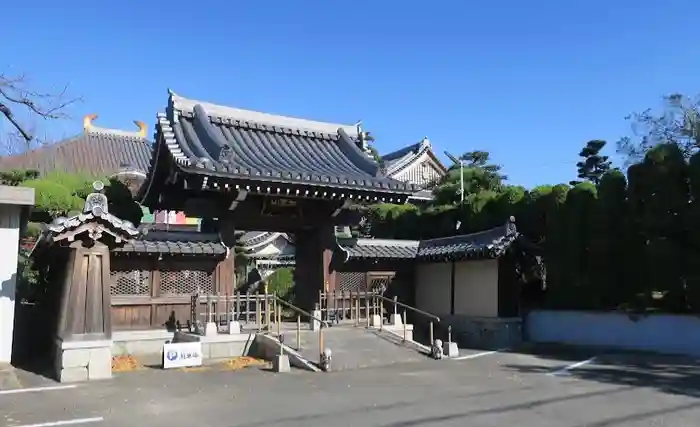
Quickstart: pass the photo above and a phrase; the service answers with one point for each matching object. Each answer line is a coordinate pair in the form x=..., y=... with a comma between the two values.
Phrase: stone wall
x=83, y=360
x=491, y=333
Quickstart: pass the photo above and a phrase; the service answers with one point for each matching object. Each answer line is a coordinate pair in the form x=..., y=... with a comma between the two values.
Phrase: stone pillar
x=8, y=279
x=14, y=211
x=313, y=253
x=83, y=344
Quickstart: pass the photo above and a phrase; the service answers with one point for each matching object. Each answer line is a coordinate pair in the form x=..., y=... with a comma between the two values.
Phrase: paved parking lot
x=539, y=388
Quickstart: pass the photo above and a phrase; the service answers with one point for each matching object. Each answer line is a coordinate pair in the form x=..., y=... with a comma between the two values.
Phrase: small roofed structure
x=73, y=256
x=474, y=280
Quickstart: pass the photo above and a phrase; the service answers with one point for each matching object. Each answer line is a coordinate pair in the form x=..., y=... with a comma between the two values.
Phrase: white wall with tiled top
x=9, y=246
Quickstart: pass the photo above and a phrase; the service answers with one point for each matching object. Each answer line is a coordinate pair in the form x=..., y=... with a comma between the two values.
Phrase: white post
x=461, y=180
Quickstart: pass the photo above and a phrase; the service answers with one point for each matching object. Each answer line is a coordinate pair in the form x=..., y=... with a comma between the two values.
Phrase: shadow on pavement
x=668, y=374
x=530, y=404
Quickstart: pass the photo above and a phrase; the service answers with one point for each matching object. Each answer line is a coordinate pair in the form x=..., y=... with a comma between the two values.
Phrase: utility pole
x=459, y=162
x=461, y=181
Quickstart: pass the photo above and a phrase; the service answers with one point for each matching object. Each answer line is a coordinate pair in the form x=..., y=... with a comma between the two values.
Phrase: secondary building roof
x=233, y=143
x=96, y=151
x=409, y=156
x=486, y=244
x=175, y=243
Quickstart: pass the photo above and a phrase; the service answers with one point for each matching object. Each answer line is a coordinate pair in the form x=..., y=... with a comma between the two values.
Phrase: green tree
x=479, y=175
x=678, y=123
x=691, y=236
x=593, y=164
x=609, y=251
x=281, y=283
x=658, y=197
x=16, y=177
x=63, y=194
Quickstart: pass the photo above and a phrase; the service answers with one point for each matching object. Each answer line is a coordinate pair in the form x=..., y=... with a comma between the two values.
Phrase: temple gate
x=245, y=170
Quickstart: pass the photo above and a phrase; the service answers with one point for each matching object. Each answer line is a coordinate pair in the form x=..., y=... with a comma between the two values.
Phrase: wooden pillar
x=314, y=271
x=83, y=345
x=225, y=274
x=86, y=304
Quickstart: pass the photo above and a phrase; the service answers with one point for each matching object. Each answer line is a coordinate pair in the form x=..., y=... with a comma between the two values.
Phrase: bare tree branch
x=16, y=95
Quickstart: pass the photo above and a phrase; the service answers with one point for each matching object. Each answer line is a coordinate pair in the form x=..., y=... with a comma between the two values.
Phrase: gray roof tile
x=379, y=248
x=490, y=243
x=95, y=152
x=484, y=244
x=176, y=243
x=240, y=144
x=398, y=160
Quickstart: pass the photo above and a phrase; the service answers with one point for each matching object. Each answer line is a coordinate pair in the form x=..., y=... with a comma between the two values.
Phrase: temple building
x=416, y=164
x=100, y=151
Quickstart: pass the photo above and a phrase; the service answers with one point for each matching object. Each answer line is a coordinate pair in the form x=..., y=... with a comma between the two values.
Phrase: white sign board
x=182, y=355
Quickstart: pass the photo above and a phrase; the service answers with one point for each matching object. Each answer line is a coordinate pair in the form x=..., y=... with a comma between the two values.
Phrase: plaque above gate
x=281, y=206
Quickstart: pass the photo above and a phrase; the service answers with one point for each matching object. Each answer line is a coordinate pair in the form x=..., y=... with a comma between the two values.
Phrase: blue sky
x=530, y=82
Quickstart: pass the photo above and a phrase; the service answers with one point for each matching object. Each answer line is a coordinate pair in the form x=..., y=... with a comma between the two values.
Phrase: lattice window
x=130, y=282
x=379, y=284
x=352, y=281
x=186, y=282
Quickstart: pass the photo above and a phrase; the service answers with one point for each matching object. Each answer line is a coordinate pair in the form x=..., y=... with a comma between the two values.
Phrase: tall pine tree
x=594, y=165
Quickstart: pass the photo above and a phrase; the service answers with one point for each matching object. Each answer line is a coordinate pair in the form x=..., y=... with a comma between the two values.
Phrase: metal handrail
x=430, y=316
x=414, y=309
x=300, y=311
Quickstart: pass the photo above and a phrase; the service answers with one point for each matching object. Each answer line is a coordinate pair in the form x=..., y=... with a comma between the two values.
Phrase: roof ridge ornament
x=88, y=127
x=425, y=142
x=511, y=229
x=96, y=203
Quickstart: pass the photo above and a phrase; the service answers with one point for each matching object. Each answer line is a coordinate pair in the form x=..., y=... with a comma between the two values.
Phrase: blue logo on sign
x=171, y=355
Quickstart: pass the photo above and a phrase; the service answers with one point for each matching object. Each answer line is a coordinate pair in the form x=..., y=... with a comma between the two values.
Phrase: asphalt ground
x=538, y=387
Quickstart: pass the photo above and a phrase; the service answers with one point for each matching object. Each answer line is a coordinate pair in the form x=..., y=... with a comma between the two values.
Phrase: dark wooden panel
x=165, y=314
x=130, y=317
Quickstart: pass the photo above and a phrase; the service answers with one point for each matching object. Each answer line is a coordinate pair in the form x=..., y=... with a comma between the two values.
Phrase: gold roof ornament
x=88, y=126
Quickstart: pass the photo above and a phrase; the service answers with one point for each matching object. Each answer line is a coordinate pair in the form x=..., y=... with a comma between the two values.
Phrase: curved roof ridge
x=183, y=104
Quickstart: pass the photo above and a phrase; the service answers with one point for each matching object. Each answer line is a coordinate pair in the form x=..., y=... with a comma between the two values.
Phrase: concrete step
x=356, y=347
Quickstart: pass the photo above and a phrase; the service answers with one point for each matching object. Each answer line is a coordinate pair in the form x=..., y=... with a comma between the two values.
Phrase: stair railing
x=324, y=358
x=432, y=318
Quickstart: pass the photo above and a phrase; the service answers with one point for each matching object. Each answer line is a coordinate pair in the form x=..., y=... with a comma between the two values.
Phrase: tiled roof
x=422, y=195
x=61, y=224
x=94, y=212
x=233, y=143
x=380, y=249
x=176, y=243
x=403, y=158
x=392, y=157
x=484, y=244
x=490, y=243
x=97, y=152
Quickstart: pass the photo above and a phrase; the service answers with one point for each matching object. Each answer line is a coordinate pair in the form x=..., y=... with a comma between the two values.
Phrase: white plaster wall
x=661, y=333
x=433, y=287
x=9, y=238
x=417, y=174
x=476, y=288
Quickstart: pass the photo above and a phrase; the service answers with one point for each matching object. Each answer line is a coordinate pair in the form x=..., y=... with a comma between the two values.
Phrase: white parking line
x=565, y=370
x=66, y=422
x=37, y=389
x=475, y=355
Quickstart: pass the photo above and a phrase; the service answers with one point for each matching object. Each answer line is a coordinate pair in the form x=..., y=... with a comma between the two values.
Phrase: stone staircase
x=355, y=347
